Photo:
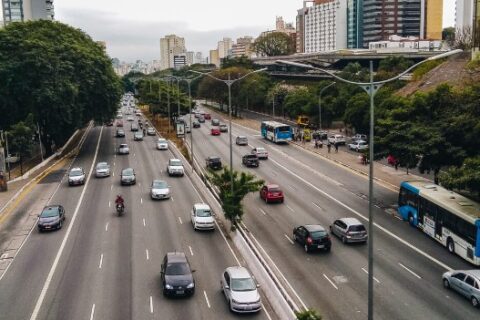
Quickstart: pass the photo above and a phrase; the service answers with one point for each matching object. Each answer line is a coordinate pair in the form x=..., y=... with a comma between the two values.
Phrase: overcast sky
x=132, y=29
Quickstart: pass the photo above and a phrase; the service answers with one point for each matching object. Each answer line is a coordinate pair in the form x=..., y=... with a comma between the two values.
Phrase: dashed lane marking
x=180, y=220
x=289, y=240
x=206, y=298
x=331, y=282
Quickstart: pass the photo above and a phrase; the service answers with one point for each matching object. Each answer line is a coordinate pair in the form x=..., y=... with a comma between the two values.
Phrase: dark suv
x=52, y=217
x=176, y=275
x=214, y=163
x=250, y=160
x=312, y=237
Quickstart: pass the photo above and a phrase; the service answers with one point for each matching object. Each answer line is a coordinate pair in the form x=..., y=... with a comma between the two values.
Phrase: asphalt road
x=408, y=264
x=110, y=266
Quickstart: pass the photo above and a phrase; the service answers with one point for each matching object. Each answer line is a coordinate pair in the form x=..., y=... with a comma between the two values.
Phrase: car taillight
x=309, y=240
x=328, y=238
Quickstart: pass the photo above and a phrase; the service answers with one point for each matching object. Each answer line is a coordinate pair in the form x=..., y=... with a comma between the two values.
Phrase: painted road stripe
x=101, y=262
x=365, y=270
x=333, y=284
x=416, y=275
x=288, y=238
x=206, y=298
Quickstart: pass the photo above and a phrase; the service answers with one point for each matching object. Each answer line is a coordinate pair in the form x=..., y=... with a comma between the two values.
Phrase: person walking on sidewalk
x=329, y=146
x=336, y=147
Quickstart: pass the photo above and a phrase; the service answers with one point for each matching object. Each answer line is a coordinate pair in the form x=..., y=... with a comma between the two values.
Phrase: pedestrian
x=316, y=143
x=336, y=147
x=396, y=164
x=329, y=146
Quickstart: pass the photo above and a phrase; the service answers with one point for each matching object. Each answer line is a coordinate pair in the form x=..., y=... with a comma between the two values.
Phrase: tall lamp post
x=320, y=105
x=229, y=83
x=371, y=88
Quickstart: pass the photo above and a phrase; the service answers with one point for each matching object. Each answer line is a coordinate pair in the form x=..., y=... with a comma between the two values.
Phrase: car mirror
x=194, y=270
x=258, y=286
x=227, y=286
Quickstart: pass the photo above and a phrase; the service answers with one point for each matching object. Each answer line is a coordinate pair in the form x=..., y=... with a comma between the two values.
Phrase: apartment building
x=171, y=46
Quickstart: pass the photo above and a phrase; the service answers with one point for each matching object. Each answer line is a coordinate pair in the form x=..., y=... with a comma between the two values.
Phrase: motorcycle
x=120, y=208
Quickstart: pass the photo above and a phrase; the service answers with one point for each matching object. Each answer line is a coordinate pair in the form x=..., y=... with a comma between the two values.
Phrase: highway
x=408, y=265
x=102, y=266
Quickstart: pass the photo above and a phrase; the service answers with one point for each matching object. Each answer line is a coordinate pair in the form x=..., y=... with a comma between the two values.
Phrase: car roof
x=351, y=221
x=241, y=137
x=474, y=273
x=202, y=206
x=127, y=169
x=272, y=185
x=76, y=169
x=102, y=163
x=176, y=257
x=314, y=227
x=175, y=159
x=238, y=272
x=123, y=145
x=214, y=157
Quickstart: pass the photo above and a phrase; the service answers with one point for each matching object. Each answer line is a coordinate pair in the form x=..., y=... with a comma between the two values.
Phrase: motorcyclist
x=119, y=201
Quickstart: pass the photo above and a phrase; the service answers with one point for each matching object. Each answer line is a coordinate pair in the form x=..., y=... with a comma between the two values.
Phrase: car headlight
x=168, y=286
x=191, y=285
x=235, y=301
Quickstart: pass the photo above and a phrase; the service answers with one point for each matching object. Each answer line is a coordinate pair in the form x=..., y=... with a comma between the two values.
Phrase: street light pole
x=273, y=106
x=371, y=88
x=320, y=105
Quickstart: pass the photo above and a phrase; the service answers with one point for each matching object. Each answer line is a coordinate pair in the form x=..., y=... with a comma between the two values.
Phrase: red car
x=215, y=132
x=207, y=116
x=271, y=193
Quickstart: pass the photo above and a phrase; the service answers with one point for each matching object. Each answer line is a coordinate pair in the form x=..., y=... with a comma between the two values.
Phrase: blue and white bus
x=446, y=216
x=276, y=131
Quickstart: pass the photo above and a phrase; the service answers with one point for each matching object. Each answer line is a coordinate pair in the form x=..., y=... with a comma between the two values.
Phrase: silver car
x=162, y=144
x=76, y=176
x=127, y=177
x=123, y=149
x=465, y=282
x=241, y=141
x=159, y=190
x=175, y=167
x=240, y=290
x=102, y=170
x=349, y=230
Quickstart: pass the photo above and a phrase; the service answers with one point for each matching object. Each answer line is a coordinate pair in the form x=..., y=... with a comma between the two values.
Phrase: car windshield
x=215, y=160
x=260, y=150
x=357, y=227
x=362, y=143
x=123, y=146
x=175, y=162
x=177, y=269
x=251, y=156
x=76, y=173
x=162, y=141
x=49, y=212
x=274, y=190
x=203, y=213
x=158, y=184
x=318, y=234
x=128, y=172
x=242, y=138
x=245, y=284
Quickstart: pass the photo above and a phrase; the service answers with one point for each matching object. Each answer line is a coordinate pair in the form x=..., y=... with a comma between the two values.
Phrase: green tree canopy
x=274, y=44
x=466, y=177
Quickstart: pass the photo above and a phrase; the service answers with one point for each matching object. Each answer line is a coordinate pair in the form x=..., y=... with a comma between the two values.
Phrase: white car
x=358, y=145
x=150, y=131
x=187, y=128
x=76, y=176
x=240, y=290
x=123, y=149
x=129, y=118
x=162, y=144
x=260, y=152
x=202, y=218
x=102, y=170
x=175, y=167
x=159, y=190
x=337, y=138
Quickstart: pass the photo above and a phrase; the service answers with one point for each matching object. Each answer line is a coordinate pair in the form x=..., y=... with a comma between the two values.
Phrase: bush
x=420, y=71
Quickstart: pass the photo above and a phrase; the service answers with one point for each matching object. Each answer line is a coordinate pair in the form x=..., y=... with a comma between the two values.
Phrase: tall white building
x=224, y=47
x=198, y=58
x=171, y=46
x=23, y=10
x=464, y=14
x=190, y=57
x=325, y=26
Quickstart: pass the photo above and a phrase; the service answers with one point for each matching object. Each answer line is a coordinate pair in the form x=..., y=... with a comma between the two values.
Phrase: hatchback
x=260, y=152
x=159, y=190
x=195, y=124
x=207, y=116
x=214, y=163
x=312, y=237
x=241, y=141
x=123, y=149
x=162, y=144
x=215, y=132
x=102, y=170
x=127, y=177
x=134, y=127
x=250, y=160
x=76, y=176
x=465, y=282
x=223, y=128
x=52, y=217
x=120, y=133
x=138, y=136
x=240, y=290
x=176, y=275
x=201, y=119
x=150, y=131
x=349, y=230
x=271, y=193
x=215, y=122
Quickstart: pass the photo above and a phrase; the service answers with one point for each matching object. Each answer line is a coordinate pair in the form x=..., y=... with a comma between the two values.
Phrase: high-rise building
x=432, y=14
x=24, y=10
x=224, y=47
x=464, y=14
x=179, y=61
x=170, y=46
x=300, y=29
x=214, y=57
x=243, y=47
x=190, y=57
x=199, y=58
x=354, y=23
x=326, y=26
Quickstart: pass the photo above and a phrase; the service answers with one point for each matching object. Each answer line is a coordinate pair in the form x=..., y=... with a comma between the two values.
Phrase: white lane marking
x=106, y=227
x=416, y=275
x=327, y=195
x=101, y=262
x=289, y=240
x=397, y=217
x=264, y=213
x=290, y=208
x=180, y=220
x=292, y=187
x=206, y=298
x=134, y=154
x=365, y=270
x=111, y=187
x=109, y=204
x=113, y=174
x=144, y=224
x=191, y=251
x=39, y=303
x=114, y=163
x=146, y=251
x=331, y=282
x=151, y=304
x=316, y=205
x=92, y=313
x=171, y=198
x=141, y=200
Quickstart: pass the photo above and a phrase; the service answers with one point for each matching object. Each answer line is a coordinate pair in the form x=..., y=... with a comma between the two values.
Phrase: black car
x=319, y=135
x=312, y=237
x=120, y=133
x=176, y=275
x=214, y=163
x=52, y=217
x=250, y=160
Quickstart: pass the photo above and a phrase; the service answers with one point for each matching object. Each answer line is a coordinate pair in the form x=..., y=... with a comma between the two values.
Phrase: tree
x=448, y=34
x=242, y=61
x=58, y=74
x=274, y=44
x=300, y=101
x=466, y=177
x=243, y=183
x=357, y=112
x=463, y=39
x=309, y=314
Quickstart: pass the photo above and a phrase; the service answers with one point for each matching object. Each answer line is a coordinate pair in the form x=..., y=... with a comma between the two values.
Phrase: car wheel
x=474, y=302
x=344, y=240
x=450, y=246
x=266, y=199
x=446, y=284
x=294, y=237
x=411, y=220
x=305, y=247
x=60, y=225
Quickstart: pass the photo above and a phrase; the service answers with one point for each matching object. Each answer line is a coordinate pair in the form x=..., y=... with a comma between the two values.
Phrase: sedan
x=271, y=193
x=214, y=163
x=120, y=133
x=150, y=131
x=223, y=128
x=76, y=176
x=240, y=290
x=176, y=275
x=215, y=132
x=127, y=177
x=241, y=141
x=260, y=152
x=129, y=118
x=52, y=217
x=312, y=237
x=102, y=170
x=195, y=124
x=250, y=160
x=138, y=136
x=358, y=145
x=159, y=190
x=123, y=149
x=465, y=282
x=162, y=144
x=215, y=122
